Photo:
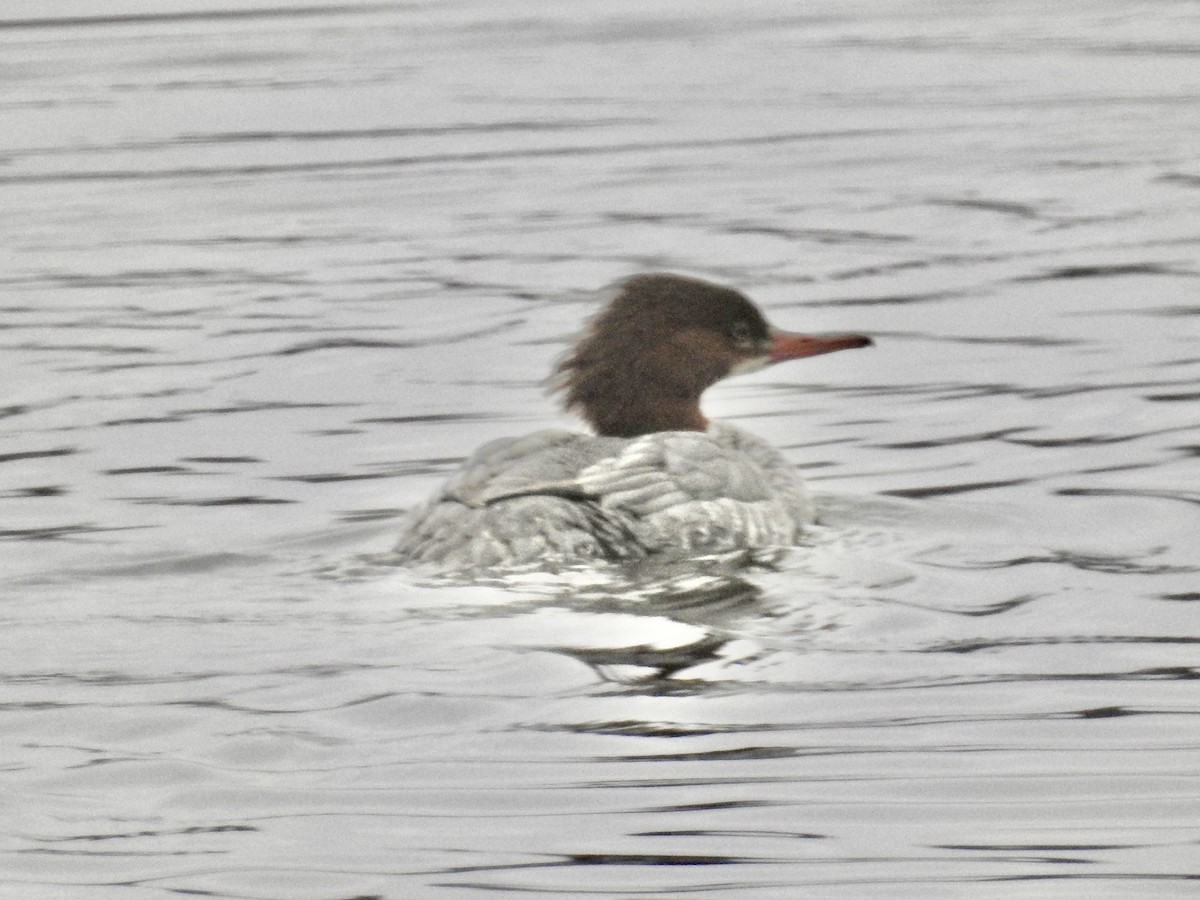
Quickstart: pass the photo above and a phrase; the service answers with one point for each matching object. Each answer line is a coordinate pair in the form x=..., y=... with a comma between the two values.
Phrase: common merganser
x=656, y=478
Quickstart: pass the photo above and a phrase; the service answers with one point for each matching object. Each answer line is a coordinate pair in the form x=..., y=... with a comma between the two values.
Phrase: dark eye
x=743, y=334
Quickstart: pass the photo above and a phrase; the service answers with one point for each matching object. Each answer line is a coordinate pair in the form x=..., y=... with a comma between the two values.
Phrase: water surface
x=273, y=272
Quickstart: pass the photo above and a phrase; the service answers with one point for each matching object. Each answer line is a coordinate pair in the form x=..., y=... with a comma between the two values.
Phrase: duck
x=653, y=478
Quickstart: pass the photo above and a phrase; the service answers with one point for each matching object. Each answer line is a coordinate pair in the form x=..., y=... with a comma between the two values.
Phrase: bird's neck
x=630, y=415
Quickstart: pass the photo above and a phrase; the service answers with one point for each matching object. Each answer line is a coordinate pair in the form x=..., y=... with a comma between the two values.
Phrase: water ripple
x=360, y=235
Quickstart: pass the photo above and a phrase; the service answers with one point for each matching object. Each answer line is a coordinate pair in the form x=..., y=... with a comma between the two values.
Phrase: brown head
x=661, y=341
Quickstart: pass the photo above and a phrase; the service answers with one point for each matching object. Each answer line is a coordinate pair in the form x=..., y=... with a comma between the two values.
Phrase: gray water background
x=270, y=272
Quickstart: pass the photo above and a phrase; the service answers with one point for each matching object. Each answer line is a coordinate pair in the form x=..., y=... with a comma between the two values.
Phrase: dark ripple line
x=144, y=420
x=1166, y=312
x=1097, y=876
x=997, y=608
x=733, y=832
x=971, y=646
x=106, y=349
x=147, y=470
x=126, y=835
x=348, y=343
x=817, y=235
x=45, y=490
x=295, y=329
x=1165, y=673
x=246, y=500
x=443, y=158
x=235, y=137
x=959, y=259
x=247, y=137
x=37, y=454
x=949, y=489
x=221, y=15
x=55, y=532
x=928, y=262
x=345, y=343
x=1092, y=440
x=872, y=724
x=370, y=515
x=333, y=477
x=1180, y=178
x=1180, y=496
x=430, y=419
x=591, y=859
x=1111, y=564
x=154, y=277
x=264, y=406
x=653, y=859
x=1036, y=848
x=636, y=728
x=884, y=300
x=969, y=390
x=736, y=753
x=221, y=459
x=75, y=853
x=1007, y=207
x=183, y=415
x=1017, y=341
x=1105, y=271
x=953, y=441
